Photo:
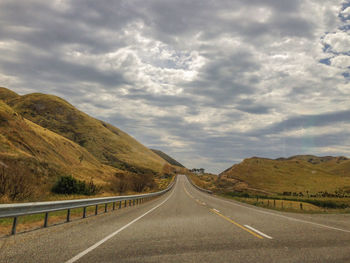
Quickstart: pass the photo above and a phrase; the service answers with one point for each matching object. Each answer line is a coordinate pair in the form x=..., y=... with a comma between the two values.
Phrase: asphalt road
x=186, y=225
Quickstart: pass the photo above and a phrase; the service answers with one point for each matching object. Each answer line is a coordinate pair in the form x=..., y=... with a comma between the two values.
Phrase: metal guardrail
x=23, y=209
x=199, y=188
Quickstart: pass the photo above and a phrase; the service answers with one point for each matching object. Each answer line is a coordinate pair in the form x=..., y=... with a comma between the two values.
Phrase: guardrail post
x=113, y=205
x=133, y=202
x=129, y=202
x=14, y=225
x=96, y=210
x=125, y=203
x=68, y=215
x=274, y=202
x=84, y=212
x=106, y=208
x=120, y=204
x=301, y=206
x=46, y=219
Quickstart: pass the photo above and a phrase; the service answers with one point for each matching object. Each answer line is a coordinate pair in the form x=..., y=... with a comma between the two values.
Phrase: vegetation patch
x=69, y=185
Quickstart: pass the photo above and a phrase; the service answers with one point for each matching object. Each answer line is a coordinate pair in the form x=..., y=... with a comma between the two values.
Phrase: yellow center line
x=235, y=223
x=198, y=201
x=225, y=217
x=188, y=192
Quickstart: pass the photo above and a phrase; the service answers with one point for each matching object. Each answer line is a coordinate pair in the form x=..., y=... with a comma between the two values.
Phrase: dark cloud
x=305, y=121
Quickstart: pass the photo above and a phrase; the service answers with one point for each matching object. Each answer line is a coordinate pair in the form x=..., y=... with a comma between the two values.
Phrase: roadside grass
x=32, y=222
x=296, y=206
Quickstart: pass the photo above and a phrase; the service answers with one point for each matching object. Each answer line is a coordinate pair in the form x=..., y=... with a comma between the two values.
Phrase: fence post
x=14, y=225
x=68, y=215
x=46, y=219
x=120, y=204
x=106, y=208
x=268, y=202
x=96, y=210
x=301, y=206
x=84, y=212
x=274, y=202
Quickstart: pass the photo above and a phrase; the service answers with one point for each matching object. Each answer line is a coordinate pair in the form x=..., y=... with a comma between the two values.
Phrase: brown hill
x=41, y=155
x=295, y=174
x=107, y=143
x=167, y=158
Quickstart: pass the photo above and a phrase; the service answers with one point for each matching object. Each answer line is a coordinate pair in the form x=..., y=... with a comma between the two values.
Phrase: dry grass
x=106, y=143
x=282, y=205
x=291, y=175
x=51, y=138
x=32, y=222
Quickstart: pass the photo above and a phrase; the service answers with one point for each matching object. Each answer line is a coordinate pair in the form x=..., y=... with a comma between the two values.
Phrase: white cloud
x=339, y=41
x=341, y=61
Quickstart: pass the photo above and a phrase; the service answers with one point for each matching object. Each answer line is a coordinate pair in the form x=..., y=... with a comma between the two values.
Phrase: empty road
x=186, y=225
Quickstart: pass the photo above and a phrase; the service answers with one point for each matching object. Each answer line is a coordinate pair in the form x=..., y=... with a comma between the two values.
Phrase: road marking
x=86, y=251
x=197, y=200
x=257, y=231
x=282, y=216
x=235, y=223
x=188, y=192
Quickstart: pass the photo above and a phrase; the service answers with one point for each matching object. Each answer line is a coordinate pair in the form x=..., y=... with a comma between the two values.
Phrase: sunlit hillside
x=294, y=174
x=107, y=143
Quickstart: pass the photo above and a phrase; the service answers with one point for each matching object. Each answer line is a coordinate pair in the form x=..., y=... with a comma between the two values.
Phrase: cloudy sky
x=209, y=82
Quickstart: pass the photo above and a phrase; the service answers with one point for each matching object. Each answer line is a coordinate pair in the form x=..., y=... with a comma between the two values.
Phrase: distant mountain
x=167, y=158
x=299, y=173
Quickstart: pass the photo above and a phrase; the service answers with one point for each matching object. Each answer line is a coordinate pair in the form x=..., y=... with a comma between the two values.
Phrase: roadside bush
x=119, y=184
x=69, y=185
x=16, y=182
x=238, y=194
x=140, y=182
x=132, y=182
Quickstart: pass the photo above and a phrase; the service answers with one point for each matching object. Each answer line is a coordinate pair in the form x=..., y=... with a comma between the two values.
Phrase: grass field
x=290, y=205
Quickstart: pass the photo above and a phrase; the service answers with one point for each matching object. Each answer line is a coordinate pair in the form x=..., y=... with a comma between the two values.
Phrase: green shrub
x=69, y=185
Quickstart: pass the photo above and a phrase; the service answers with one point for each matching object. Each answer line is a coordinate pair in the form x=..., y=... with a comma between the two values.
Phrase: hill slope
x=106, y=143
x=295, y=174
x=41, y=155
x=167, y=158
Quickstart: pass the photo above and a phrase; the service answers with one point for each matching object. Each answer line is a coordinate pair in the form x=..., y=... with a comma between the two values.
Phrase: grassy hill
x=108, y=144
x=38, y=156
x=303, y=173
x=43, y=138
x=168, y=158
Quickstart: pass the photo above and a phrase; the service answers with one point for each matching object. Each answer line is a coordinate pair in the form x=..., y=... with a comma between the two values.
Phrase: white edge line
x=86, y=251
x=279, y=215
x=257, y=231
